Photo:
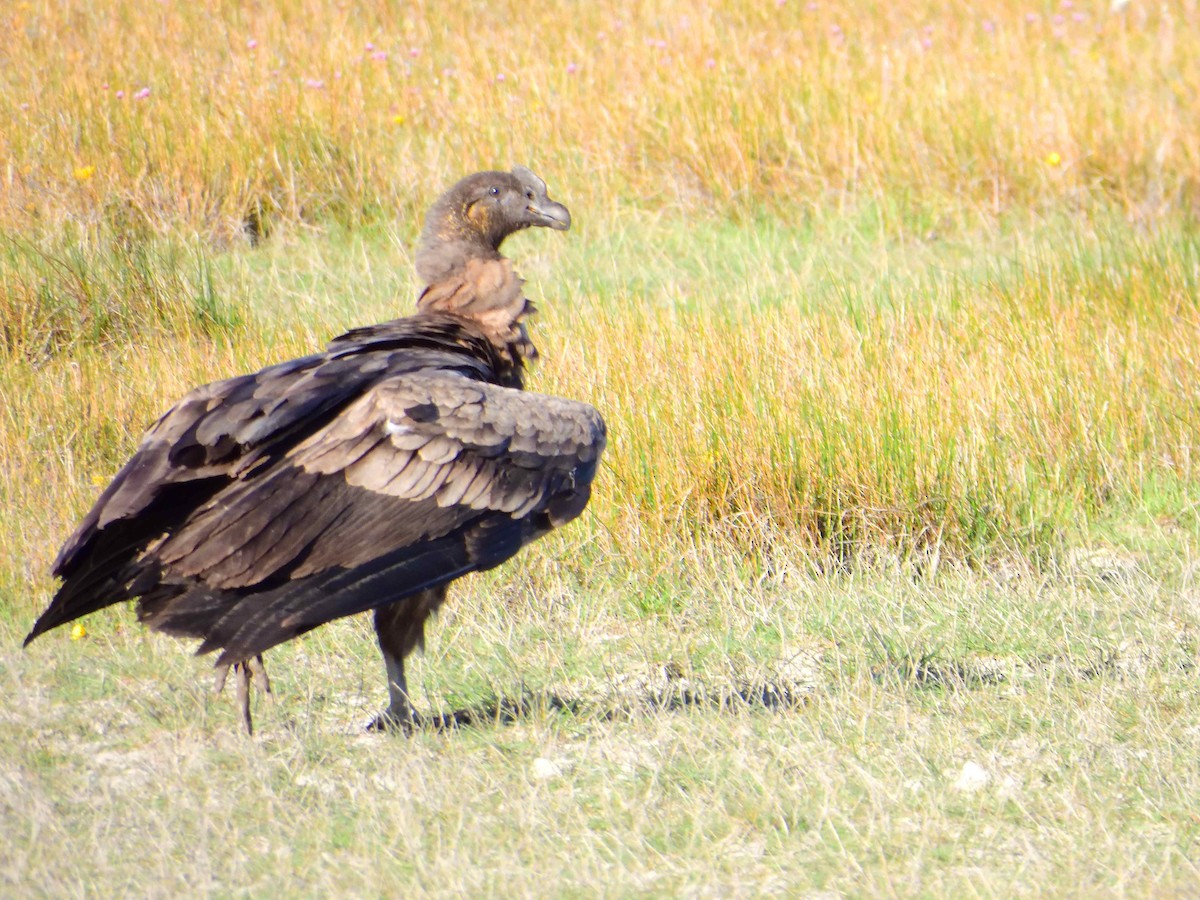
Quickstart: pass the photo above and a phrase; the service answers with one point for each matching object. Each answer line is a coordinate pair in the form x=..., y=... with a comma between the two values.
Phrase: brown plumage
x=367, y=477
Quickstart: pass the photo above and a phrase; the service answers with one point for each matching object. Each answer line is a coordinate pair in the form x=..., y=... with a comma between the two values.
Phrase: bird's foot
x=246, y=669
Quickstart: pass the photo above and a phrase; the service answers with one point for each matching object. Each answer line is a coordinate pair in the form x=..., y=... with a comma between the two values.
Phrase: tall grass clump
x=57, y=294
x=961, y=419
x=972, y=408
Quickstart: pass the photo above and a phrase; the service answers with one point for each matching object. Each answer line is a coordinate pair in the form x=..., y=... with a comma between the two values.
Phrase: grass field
x=891, y=580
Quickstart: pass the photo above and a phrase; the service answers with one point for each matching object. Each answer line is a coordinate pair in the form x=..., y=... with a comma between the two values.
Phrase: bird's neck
x=487, y=293
x=440, y=257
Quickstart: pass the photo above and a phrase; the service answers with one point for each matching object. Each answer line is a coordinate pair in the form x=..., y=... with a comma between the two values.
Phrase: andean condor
x=366, y=477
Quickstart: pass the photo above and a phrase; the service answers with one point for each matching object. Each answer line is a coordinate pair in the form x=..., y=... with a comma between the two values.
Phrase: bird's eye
x=494, y=191
x=529, y=195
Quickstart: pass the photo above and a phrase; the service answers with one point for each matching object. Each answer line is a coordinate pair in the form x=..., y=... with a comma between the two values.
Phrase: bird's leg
x=399, y=713
x=243, y=694
x=245, y=669
x=400, y=628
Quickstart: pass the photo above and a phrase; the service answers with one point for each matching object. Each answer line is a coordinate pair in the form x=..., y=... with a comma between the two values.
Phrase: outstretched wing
x=424, y=478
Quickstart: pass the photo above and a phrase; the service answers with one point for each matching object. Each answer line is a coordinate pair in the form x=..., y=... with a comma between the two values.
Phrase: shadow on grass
x=667, y=692
x=790, y=686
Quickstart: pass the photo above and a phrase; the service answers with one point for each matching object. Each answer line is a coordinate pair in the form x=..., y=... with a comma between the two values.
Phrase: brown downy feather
x=488, y=293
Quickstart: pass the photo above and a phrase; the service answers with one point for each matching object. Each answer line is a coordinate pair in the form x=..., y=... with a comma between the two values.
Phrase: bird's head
x=474, y=217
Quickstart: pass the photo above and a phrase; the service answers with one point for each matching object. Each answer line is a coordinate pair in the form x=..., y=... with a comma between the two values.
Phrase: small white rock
x=546, y=768
x=972, y=778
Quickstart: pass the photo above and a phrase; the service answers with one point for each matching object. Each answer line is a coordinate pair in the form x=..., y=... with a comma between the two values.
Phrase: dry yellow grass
x=943, y=423
x=205, y=114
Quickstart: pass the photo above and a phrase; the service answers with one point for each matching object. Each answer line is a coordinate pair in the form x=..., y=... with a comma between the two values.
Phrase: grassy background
x=889, y=585
x=314, y=109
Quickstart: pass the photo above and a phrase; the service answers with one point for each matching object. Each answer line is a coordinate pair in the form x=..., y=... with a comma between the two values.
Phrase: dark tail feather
x=185, y=611
x=332, y=595
x=106, y=577
x=61, y=614
x=73, y=601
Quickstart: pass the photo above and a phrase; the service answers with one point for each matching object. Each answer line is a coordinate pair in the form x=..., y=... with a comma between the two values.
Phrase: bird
x=366, y=477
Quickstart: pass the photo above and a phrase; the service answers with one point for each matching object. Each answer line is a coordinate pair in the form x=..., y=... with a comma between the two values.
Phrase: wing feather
x=432, y=464
x=478, y=494
x=401, y=484
x=456, y=484
x=440, y=450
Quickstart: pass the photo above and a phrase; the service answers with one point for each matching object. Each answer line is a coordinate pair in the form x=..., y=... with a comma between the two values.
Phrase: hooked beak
x=550, y=215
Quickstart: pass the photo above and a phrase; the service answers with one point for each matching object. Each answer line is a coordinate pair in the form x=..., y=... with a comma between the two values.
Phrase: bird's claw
x=245, y=670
